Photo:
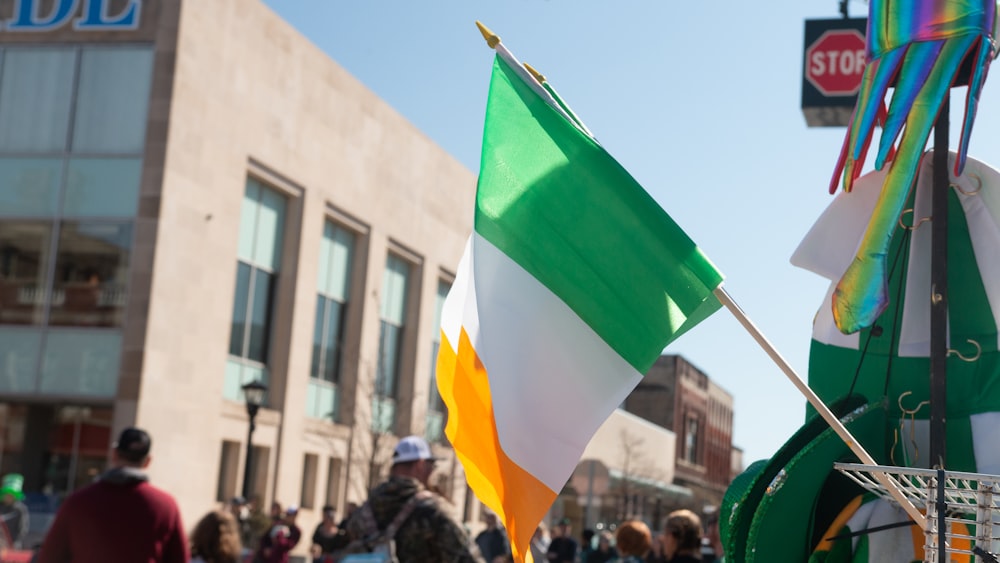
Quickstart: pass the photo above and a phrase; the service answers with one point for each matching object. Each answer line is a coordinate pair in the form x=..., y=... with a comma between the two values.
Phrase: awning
x=669, y=488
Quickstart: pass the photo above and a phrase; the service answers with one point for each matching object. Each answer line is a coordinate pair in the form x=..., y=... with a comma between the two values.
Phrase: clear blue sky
x=698, y=100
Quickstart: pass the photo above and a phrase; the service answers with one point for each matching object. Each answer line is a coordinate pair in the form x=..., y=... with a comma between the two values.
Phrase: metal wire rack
x=972, y=499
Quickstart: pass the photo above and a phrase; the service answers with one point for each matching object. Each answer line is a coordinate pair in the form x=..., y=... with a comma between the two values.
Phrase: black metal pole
x=939, y=287
x=248, y=463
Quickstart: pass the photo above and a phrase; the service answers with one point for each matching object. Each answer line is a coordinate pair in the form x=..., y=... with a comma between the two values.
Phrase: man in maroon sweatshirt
x=120, y=518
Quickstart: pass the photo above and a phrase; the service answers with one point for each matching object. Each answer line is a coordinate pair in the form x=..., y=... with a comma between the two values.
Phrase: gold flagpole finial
x=491, y=38
x=538, y=76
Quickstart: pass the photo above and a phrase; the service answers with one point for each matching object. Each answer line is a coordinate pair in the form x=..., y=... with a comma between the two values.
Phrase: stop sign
x=835, y=62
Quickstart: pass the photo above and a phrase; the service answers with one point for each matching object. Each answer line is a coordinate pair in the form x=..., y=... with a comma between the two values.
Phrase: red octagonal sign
x=836, y=61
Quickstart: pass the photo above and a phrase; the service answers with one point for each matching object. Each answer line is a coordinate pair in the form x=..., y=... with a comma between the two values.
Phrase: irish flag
x=572, y=283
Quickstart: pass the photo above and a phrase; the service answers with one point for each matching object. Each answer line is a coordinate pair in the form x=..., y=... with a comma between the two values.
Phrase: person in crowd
x=656, y=554
x=711, y=551
x=279, y=541
x=13, y=511
x=563, y=547
x=430, y=532
x=258, y=523
x=604, y=552
x=348, y=510
x=682, y=537
x=216, y=539
x=492, y=542
x=238, y=507
x=634, y=541
x=586, y=543
x=121, y=517
x=540, y=543
x=328, y=537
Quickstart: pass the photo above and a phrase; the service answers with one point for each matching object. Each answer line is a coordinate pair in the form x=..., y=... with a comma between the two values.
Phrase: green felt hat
x=12, y=484
x=742, y=499
x=799, y=503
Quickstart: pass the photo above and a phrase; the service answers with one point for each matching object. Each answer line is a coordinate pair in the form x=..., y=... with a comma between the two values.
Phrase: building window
x=72, y=135
x=80, y=362
x=333, y=469
x=335, y=266
x=36, y=92
x=24, y=267
x=395, y=284
x=30, y=187
x=229, y=464
x=111, y=111
x=309, y=467
x=691, y=428
x=258, y=471
x=91, y=272
x=261, y=236
x=436, y=411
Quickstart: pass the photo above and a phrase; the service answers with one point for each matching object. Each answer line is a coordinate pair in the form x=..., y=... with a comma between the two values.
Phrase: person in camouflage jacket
x=431, y=532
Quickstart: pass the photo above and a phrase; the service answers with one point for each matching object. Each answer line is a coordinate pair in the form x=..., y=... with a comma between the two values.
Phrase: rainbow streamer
x=921, y=45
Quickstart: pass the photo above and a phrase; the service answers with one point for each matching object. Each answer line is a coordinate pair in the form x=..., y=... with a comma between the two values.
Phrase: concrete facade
x=627, y=470
x=237, y=93
x=252, y=97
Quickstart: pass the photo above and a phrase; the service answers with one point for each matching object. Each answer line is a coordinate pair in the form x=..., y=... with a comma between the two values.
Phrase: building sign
x=96, y=15
x=834, y=62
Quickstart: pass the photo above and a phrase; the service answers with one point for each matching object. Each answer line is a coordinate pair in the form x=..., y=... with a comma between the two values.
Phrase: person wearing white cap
x=428, y=531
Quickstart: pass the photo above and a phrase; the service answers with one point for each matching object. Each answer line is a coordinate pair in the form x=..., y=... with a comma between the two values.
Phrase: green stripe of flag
x=559, y=205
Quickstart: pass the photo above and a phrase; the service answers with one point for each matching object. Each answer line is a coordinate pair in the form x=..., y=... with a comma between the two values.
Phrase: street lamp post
x=253, y=392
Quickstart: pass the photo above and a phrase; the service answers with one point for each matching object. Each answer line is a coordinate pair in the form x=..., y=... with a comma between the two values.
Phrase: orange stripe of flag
x=516, y=496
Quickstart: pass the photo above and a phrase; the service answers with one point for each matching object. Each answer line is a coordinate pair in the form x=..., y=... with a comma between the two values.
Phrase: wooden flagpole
x=887, y=481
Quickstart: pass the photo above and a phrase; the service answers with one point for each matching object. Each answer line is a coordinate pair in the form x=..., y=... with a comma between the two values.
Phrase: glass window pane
x=334, y=317
x=335, y=262
x=325, y=255
x=29, y=186
x=238, y=374
x=383, y=414
x=343, y=252
x=248, y=220
x=318, y=348
x=24, y=266
x=394, y=282
x=442, y=294
x=270, y=224
x=321, y=400
x=260, y=316
x=112, y=100
x=233, y=380
x=35, y=91
x=91, y=269
x=388, y=359
x=103, y=187
x=19, y=358
x=239, y=324
x=81, y=362
x=435, y=404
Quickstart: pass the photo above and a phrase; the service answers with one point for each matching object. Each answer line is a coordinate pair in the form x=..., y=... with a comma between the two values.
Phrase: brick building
x=678, y=396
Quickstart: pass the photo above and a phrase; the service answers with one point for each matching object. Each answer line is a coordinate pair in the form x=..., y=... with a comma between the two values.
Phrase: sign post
x=834, y=62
